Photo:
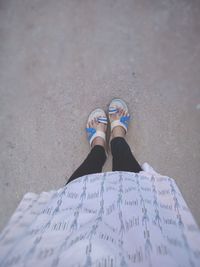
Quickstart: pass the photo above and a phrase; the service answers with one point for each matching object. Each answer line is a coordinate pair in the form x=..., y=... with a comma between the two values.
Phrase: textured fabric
x=105, y=219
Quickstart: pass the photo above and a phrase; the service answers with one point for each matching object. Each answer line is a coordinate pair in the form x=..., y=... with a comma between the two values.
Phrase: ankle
x=118, y=132
x=98, y=141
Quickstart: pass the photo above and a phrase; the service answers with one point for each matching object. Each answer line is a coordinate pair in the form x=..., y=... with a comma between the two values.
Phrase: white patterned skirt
x=104, y=219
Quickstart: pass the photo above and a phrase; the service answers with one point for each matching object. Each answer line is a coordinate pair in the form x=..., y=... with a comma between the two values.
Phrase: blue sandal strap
x=90, y=132
x=93, y=133
x=125, y=120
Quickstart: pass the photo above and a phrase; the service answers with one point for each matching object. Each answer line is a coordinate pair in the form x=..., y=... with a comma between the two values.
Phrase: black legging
x=123, y=159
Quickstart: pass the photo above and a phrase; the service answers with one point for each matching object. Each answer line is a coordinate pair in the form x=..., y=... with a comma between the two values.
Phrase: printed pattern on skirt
x=105, y=219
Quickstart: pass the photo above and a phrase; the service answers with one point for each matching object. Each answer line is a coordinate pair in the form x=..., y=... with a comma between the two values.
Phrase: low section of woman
x=123, y=159
x=131, y=216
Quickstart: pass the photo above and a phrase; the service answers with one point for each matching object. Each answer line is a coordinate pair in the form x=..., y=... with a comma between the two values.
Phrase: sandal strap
x=123, y=122
x=118, y=123
x=93, y=134
x=97, y=134
x=112, y=110
x=103, y=120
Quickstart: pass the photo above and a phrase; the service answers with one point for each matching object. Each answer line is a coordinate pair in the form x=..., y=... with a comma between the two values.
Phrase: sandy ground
x=61, y=59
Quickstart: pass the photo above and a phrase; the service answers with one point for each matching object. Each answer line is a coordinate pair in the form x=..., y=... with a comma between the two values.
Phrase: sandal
x=100, y=115
x=114, y=108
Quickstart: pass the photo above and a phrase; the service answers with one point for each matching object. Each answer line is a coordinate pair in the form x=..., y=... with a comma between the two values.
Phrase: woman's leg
x=92, y=164
x=97, y=156
x=123, y=159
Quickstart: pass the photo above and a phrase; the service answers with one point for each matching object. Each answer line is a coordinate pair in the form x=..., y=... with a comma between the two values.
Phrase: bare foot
x=118, y=131
x=99, y=127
